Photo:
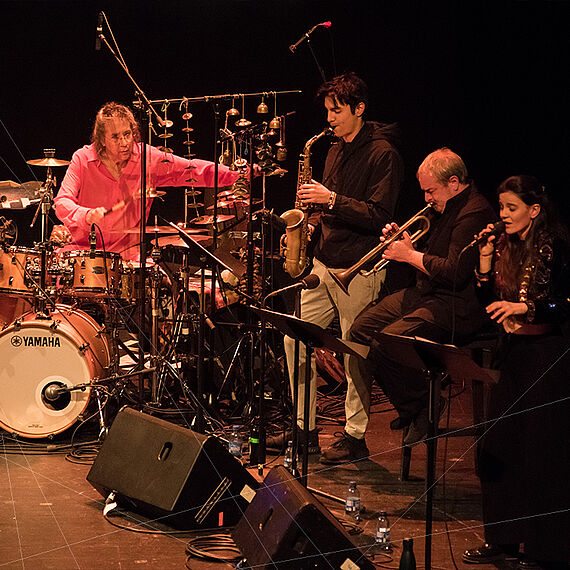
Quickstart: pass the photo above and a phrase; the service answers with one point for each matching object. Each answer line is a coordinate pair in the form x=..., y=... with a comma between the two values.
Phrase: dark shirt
x=366, y=174
x=464, y=216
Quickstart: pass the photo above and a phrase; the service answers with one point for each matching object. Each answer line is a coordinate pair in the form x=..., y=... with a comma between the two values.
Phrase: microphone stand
x=316, y=60
x=146, y=111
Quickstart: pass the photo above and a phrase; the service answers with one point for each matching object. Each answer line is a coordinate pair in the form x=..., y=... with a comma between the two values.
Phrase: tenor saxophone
x=297, y=230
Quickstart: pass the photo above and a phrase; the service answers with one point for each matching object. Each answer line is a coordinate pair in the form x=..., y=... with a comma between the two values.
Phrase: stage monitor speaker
x=171, y=473
x=285, y=527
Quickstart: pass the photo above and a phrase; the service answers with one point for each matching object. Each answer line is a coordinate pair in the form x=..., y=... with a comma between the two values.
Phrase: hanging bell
x=275, y=124
x=262, y=108
x=243, y=122
x=233, y=112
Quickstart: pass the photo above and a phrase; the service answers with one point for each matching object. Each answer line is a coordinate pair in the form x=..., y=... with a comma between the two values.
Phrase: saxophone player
x=357, y=197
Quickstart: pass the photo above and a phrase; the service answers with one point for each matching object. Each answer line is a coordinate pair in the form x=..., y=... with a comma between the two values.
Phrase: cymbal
x=177, y=241
x=226, y=194
x=151, y=230
x=208, y=220
x=48, y=162
x=154, y=193
x=188, y=230
x=222, y=204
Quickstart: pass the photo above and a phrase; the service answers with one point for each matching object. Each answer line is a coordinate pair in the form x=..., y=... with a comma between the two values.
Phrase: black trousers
x=405, y=313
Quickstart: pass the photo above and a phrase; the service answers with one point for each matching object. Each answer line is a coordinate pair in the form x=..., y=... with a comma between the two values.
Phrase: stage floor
x=51, y=517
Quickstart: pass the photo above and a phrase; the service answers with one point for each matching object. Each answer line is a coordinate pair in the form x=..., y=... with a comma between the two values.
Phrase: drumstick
x=118, y=205
x=124, y=202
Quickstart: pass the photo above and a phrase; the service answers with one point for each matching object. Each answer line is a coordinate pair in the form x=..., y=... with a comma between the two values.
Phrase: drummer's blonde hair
x=107, y=111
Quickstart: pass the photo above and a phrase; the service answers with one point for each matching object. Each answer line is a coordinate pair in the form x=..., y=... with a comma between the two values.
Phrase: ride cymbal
x=209, y=220
x=151, y=230
x=48, y=162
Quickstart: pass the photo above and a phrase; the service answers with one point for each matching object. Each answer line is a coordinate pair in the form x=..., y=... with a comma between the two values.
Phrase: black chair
x=480, y=347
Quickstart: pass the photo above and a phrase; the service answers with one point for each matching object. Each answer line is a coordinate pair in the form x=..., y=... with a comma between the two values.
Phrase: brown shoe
x=278, y=443
x=344, y=450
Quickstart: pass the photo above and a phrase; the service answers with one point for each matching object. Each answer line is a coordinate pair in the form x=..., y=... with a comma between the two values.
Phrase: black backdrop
x=489, y=81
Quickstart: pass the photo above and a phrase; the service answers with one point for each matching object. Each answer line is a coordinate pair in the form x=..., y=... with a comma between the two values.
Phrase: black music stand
x=312, y=336
x=201, y=257
x=435, y=361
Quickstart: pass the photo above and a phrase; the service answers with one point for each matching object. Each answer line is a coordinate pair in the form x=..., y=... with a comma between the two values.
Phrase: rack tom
x=92, y=273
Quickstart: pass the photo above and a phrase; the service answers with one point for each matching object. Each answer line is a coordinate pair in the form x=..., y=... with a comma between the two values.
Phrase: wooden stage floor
x=51, y=517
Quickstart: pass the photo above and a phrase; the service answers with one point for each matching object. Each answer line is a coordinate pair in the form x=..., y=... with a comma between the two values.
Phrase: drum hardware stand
x=203, y=258
x=44, y=206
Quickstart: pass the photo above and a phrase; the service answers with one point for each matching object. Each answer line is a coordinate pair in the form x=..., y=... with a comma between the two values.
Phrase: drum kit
x=59, y=357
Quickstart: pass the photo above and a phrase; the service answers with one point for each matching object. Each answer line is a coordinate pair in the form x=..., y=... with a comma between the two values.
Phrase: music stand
x=312, y=336
x=435, y=361
x=200, y=256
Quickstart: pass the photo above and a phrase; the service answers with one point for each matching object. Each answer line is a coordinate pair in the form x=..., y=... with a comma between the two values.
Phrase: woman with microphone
x=523, y=278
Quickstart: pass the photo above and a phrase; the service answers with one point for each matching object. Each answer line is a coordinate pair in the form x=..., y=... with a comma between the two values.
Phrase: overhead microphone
x=99, y=31
x=304, y=37
x=497, y=229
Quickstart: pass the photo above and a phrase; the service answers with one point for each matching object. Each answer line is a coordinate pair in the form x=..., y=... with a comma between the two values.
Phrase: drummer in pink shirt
x=107, y=173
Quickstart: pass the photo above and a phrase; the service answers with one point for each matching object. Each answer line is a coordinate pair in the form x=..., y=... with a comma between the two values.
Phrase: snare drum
x=38, y=357
x=93, y=273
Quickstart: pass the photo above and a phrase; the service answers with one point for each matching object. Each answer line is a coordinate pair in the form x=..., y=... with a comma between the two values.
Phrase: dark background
x=489, y=81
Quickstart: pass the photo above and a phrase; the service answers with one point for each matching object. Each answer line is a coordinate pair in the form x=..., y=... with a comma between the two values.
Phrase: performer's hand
x=400, y=250
x=313, y=193
x=60, y=235
x=388, y=230
x=501, y=310
x=487, y=247
x=95, y=215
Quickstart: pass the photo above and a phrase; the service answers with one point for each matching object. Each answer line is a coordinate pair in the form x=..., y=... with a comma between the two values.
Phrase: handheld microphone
x=497, y=229
x=92, y=241
x=304, y=37
x=99, y=31
x=311, y=281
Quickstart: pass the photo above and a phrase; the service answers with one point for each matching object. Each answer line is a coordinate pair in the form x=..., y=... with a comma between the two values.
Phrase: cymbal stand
x=155, y=281
x=44, y=207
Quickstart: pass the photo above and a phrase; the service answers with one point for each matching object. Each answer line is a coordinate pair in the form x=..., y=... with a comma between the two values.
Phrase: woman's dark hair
x=516, y=254
x=347, y=89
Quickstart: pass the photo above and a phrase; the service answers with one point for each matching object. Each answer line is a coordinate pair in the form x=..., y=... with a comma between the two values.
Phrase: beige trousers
x=320, y=306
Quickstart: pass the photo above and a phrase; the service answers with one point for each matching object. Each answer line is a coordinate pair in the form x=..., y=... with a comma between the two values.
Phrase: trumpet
x=343, y=278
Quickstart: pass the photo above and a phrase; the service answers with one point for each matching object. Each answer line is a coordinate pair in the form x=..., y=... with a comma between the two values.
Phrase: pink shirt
x=88, y=184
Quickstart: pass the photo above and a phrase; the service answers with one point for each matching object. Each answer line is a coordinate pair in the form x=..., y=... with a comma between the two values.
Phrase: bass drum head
x=38, y=356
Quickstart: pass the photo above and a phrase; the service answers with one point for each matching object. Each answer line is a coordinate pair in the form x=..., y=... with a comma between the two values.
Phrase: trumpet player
x=362, y=176
x=443, y=279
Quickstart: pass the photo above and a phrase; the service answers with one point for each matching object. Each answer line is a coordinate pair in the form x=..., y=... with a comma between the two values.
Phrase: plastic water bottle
x=352, y=501
x=235, y=442
x=288, y=457
x=408, y=560
x=382, y=536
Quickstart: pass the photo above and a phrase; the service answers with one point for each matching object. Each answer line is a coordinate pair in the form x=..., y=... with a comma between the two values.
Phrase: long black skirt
x=524, y=461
